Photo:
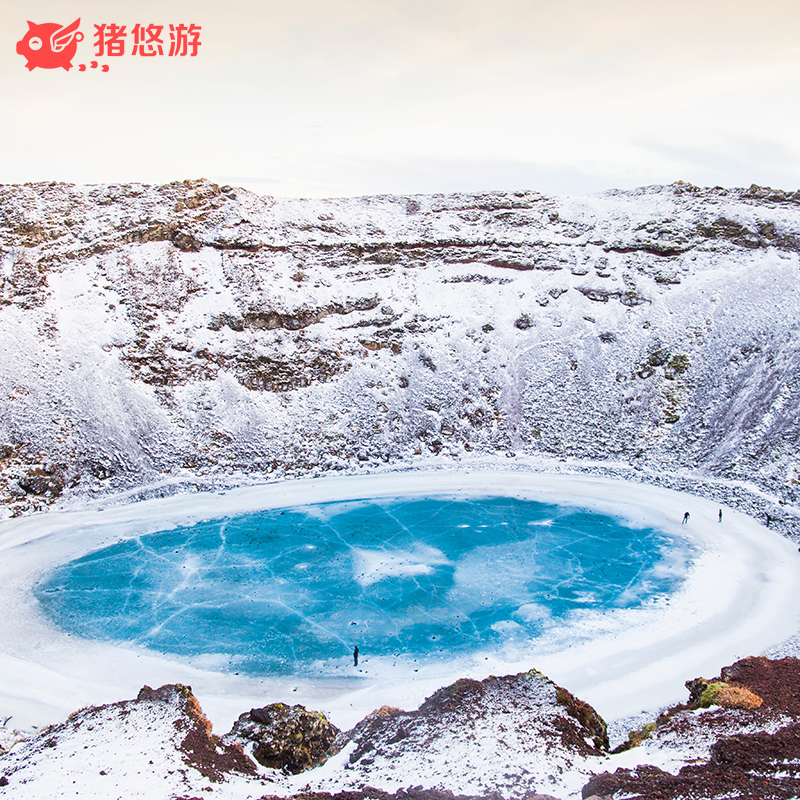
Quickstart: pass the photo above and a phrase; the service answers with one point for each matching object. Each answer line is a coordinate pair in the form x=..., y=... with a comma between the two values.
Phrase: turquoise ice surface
x=288, y=590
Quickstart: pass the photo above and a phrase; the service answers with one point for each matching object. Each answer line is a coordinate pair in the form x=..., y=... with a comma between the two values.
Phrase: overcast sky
x=348, y=97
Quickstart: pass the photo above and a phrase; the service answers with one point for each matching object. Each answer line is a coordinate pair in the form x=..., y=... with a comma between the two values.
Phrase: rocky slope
x=743, y=742
x=197, y=332
x=513, y=736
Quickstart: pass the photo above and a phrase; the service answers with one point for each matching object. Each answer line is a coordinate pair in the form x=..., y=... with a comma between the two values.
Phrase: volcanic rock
x=747, y=744
x=155, y=332
x=288, y=738
x=508, y=734
x=156, y=744
x=411, y=793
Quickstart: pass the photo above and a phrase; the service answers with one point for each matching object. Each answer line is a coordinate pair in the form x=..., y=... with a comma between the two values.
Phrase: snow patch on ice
x=371, y=566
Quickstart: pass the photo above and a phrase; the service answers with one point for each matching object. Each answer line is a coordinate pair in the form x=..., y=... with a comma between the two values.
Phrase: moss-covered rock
x=289, y=738
x=704, y=694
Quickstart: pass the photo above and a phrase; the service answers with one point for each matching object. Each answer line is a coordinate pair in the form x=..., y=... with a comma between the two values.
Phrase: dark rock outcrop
x=411, y=793
x=289, y=738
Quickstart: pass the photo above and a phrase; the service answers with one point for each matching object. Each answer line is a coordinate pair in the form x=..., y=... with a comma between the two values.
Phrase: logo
x=50, y=45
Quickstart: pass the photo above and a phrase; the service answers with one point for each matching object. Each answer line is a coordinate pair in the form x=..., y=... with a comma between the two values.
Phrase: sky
x=315, y=98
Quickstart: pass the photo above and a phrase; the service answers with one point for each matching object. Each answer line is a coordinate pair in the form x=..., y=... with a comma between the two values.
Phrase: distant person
x=720, y=515
x=685, y=518
x=355, y=656
x=769, y=519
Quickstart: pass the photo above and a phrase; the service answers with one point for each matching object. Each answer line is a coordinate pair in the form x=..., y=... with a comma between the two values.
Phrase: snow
x=133, y=375
x=376, y=565
x=153, y=769
x=737, y=600
x=437, y=374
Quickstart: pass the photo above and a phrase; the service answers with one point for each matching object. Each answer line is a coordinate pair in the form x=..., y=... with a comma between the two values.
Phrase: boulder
x=288, y=738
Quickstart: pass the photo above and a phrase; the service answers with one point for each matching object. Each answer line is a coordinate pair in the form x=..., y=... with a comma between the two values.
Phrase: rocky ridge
x=720, y=747
x=204, y=334
x=517, y=736
x=512, y=734
x=157, y=745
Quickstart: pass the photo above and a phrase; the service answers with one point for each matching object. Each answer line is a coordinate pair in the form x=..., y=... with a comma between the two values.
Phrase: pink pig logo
x=50, y=45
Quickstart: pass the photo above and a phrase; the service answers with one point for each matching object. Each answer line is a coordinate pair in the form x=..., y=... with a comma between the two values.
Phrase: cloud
x=734, y=159
x=418, y=95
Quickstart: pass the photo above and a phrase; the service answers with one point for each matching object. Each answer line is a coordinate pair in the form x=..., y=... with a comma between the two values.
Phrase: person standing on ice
x=355, y=656
x=720, y=515
x=685, y=518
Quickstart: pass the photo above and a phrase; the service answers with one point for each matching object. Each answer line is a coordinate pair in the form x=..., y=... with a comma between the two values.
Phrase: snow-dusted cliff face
x=190, y=329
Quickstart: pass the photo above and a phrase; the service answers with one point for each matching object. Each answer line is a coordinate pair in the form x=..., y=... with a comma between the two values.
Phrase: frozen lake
x=284, y=590
x=638, y=604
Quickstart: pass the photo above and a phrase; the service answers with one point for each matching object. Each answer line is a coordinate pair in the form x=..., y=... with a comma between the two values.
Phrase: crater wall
x=158, y=332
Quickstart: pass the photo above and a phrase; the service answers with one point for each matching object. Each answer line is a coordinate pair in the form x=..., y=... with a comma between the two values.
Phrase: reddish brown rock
x=742, y=748
x=161, y=740
x=201, y=749
x=509, y=734
x=412, y=793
